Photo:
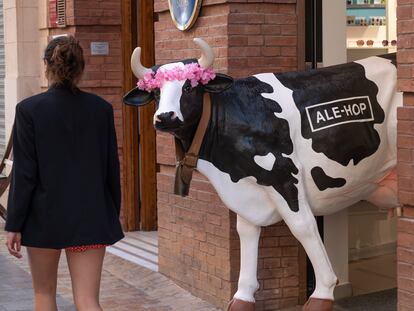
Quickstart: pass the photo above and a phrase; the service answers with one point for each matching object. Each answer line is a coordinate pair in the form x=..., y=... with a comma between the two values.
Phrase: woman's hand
x=13, y=243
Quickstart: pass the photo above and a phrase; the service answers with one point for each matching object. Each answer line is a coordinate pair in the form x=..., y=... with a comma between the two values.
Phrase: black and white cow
x=288, y=146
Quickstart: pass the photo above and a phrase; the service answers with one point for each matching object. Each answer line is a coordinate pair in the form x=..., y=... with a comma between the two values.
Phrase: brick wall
x=198, y=242
x=405, y=252
x=99, y=20
x=262, y=38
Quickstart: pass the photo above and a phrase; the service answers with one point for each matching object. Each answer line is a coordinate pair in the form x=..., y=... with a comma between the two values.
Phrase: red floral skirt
x=80, y=249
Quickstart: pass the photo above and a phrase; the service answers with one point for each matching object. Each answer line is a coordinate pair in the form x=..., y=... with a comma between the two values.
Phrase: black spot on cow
x=324, y=181
x=391, y=56
x=243, y=125
x=338, y=107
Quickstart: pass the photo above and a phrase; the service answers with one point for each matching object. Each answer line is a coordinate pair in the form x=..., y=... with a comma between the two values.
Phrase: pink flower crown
x=192, y=72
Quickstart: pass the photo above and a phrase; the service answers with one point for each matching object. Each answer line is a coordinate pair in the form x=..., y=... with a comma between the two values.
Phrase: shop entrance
x=360, y=241
x=139, y=179
x=139, y=214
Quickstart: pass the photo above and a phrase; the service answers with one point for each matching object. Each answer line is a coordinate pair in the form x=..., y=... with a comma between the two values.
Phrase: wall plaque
x=184, y=13
x=99, y=48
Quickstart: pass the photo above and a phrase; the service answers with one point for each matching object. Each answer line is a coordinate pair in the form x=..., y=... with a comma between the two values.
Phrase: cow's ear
x=219, y=84
x=137, y=97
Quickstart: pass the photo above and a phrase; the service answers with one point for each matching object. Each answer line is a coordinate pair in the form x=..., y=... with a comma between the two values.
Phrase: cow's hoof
x=240, y=305
x=316, y=304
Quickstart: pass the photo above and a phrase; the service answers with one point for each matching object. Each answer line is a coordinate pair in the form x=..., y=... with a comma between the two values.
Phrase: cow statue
x=285, y=146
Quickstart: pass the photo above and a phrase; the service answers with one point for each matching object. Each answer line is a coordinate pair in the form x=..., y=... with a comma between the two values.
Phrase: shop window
x=371, y=28
x=57, y=13
x=61, y=13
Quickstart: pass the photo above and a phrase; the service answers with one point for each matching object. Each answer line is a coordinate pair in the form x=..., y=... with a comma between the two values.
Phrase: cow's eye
x=157, y=95
x=187, y=87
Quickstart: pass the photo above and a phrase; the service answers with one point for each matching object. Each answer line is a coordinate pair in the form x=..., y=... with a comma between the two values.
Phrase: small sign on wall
x=99, y=48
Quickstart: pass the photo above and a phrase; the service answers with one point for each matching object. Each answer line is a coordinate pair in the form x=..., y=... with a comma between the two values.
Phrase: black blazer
x=65, y=186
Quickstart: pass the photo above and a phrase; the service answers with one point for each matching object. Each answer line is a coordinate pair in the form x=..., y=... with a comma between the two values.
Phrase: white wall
x=334, y=32
x=336, y=225
x=371, y=232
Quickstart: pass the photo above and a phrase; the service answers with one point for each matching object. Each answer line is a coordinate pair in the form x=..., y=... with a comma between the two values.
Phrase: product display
x=365, y=2
x=377, y=20
x=362, y=21
x=350, y=20
x=393, y=42
x=360, y=42
x=371, y=42
x=368, y=27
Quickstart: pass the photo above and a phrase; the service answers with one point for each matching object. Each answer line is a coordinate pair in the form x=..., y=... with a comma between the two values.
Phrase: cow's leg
x=249, y=246
x=303, y=226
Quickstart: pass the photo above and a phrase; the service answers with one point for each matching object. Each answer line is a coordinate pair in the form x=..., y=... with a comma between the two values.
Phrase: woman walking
x=65, y=187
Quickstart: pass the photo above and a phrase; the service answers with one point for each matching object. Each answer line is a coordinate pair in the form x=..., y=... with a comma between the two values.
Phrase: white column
x=334, y=32
x=336, y=244
x=336, y=225
x=22, y=58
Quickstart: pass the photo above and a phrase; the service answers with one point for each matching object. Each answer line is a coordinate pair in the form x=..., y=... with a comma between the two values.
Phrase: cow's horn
x=137, y=68
x=207, y=55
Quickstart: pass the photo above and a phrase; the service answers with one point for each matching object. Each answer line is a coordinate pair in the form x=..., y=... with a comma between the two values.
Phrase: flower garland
x=192, y=72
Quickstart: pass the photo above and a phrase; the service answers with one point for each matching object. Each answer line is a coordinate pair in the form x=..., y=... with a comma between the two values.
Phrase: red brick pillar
x=198, y=242
x=405, y=58
x=99, y=21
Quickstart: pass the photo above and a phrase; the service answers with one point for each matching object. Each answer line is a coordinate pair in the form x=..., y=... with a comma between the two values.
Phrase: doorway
x=361, y=240
x=139, y=213
x=139, y=159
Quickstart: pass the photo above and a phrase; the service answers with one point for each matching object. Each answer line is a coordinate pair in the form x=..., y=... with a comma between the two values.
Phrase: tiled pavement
x=129, y=287
x=16, y=289
x=125, y=287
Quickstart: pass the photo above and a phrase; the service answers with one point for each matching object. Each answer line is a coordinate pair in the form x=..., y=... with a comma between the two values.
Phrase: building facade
x=198, y=242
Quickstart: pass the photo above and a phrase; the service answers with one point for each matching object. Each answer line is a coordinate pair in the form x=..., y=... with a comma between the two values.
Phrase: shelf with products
x=371, y=28
x=367, y=26
x=370, y=44
x=366, y=13
x=373, y=18
x=374, y=47
x=365, y=6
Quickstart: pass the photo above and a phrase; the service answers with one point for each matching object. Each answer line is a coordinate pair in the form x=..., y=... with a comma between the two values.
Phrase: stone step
x=140, y=248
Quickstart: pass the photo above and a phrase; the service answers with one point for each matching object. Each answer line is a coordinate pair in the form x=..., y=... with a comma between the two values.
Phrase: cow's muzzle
x=167, y=121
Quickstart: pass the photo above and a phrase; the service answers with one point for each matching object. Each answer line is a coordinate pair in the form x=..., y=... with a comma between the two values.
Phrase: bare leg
x=44, y=266
x=85, y=270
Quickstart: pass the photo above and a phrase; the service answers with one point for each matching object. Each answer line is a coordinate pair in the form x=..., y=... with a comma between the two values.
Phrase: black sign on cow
x=341, y=111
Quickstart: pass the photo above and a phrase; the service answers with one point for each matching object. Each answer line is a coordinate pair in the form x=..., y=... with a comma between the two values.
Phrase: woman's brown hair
x=64, y=61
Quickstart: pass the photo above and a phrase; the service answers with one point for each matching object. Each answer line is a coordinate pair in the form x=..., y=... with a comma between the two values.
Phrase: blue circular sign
x=184, y=13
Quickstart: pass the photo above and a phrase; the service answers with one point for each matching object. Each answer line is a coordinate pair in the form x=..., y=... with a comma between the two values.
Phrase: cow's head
x=177, y=88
